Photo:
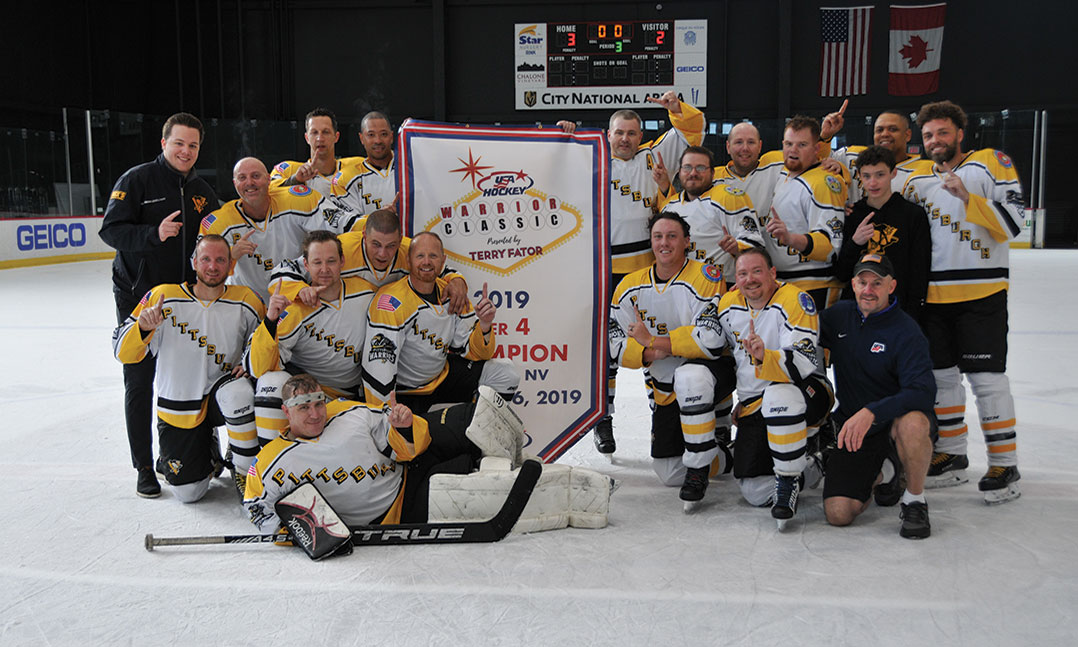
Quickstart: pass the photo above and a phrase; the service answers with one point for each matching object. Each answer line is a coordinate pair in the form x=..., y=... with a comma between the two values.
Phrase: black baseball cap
x=876, y=263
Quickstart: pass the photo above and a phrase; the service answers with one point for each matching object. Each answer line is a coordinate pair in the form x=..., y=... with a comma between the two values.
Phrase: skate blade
x=690, y=507
x=1002, y=495
x=781, y=523
x=947, y=479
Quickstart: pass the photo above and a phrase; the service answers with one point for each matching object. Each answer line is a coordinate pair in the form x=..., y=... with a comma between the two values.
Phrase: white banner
x=37, y=241
x=525, y=211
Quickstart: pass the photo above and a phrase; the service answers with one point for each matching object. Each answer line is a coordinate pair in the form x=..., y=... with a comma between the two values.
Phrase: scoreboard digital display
x=609, y=64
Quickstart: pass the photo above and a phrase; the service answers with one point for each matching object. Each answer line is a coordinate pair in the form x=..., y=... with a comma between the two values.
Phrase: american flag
x=387, y=302
x=844, y=50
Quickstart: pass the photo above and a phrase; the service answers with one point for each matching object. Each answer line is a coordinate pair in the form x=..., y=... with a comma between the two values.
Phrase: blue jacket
x=880, y=363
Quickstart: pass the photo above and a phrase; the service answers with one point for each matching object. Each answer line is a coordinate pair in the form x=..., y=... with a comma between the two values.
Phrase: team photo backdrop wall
x=525, y=211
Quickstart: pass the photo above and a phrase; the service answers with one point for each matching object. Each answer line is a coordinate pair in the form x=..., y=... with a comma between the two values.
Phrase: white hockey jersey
x=409, y=338
x=364, y=187
x=788, y=325
x=196, y=345
x=353, y=463
x=664, y=307
x=812, y=203
x=970, y=243
x=325, y=341
x=293, y=212
x=759, y=184
x=723, y=205
x=634, y=194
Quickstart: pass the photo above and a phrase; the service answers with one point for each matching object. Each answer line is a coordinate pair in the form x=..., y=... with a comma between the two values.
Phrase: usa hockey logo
x=501, y=183
x=878, y=347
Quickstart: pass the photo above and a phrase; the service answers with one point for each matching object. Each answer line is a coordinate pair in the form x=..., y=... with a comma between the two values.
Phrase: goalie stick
x=405, y=533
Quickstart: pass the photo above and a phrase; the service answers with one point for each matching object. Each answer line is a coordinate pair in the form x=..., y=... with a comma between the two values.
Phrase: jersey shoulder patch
x=733, y=190
x=712, y=273
x=833, y=183
x=300, y=189
x=806, y=303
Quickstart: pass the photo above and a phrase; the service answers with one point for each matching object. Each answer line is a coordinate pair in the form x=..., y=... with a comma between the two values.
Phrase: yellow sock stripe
x=787, y=439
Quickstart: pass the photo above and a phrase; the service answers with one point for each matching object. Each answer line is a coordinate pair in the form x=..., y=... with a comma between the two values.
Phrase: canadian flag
x=916, y=47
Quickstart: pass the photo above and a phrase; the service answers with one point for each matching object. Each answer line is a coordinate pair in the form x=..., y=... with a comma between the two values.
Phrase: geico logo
x=56, y=236
x=690, y=68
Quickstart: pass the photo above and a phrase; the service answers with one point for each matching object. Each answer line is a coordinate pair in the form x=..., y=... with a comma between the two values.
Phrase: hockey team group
x=336, y=351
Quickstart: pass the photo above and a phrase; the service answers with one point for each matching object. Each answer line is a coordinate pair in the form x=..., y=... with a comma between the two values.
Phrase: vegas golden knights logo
x=529, y=98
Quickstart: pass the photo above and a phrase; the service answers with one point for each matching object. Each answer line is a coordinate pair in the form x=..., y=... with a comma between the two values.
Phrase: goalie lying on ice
x=374, y=465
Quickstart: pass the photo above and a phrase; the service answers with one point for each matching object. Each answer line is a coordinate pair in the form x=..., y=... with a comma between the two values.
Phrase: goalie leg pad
x=269, y=418
x=495, y=429
x=563, y=496
x=501, y=375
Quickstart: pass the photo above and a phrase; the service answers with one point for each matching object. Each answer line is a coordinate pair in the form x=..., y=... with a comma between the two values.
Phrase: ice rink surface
x=73, y=570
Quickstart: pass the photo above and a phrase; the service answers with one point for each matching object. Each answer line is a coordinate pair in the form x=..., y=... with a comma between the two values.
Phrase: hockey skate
x=495, y=429
x=946, y=470
x=692, y=492
x=1000, y=484
x=603, y=435
x=785, y=504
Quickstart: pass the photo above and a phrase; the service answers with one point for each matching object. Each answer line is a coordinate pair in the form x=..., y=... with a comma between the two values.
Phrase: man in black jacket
x=152, y=220
x=885, y=390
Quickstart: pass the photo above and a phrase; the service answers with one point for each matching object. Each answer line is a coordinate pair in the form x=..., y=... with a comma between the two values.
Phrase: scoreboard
x=609, y=65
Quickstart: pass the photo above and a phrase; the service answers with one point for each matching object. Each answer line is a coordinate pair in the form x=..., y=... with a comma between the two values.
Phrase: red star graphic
x=471, y=168
x=521, y=175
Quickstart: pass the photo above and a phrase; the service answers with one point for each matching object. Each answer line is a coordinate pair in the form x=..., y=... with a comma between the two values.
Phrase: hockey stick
x=406, y=533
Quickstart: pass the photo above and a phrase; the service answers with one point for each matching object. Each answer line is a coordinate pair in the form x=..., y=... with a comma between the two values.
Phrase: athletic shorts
x=971, y=335
x=187, y=454
x=852, y=474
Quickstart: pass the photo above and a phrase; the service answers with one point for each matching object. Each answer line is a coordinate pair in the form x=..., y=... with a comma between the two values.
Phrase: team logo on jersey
x=733, y=190
x=835, y=225
x=712, y=273
x=807, y=304
x=616, y=331
x=833, y=183
x=332, y=216
x=1002, y=158
x=878, y=347
x=174, y=465
x=806, y=348
x=388, y=302
x=299, y=189
x=709, y=318
x=199, y=202
x=748, y=224
x=382, y=350
x=208, y=221
x=118, y=195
